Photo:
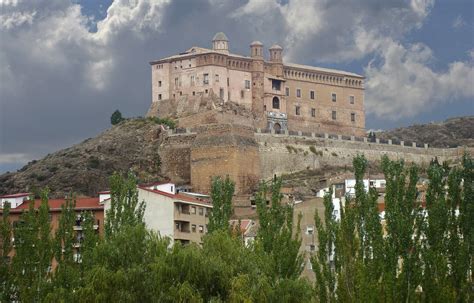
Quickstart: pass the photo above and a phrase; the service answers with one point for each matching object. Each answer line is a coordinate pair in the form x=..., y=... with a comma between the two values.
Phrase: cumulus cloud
x=403, y=84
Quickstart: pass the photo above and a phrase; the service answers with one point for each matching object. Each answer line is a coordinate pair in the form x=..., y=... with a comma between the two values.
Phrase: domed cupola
x=220, y=43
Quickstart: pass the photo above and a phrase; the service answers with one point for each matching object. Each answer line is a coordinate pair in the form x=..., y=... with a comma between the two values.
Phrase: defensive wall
x=246, y=154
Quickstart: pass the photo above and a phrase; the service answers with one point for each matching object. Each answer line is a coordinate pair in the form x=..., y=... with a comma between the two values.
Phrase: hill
x=450, y=133
x=133, y=144
x=85, y=167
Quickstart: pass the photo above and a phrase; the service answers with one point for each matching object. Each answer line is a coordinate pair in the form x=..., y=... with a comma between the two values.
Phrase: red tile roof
x=19, y=195
x=181, y=197
x=55, y=204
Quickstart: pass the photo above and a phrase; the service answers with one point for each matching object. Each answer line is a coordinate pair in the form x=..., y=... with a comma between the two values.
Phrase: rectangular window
x=221, y=93
x=176, y=81
x=192, y=80
x=311, y=94
x=353, y=117
x=351, y=99
x=242, y=94
x=227, y=81
x=201, y=211
x=193, y=228
x=193, y=210
x=313, y=112
x=309, y=230
x=217, y=78
x=247, y=84
x=334, y=115
x=159, y=83
x=201, y=228
x=159, y=96
x=276, y=85
x=298, y=93
x=205, y=80
x=287, y=91
x=312, y=247
x=333, y=97
x=298, y=109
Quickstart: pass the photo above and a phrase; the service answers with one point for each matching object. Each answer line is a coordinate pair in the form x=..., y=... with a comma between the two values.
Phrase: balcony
x=183, y=216
x=182, y=235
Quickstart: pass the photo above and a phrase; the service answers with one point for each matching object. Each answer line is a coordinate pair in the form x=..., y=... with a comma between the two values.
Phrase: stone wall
x=175, y=155
x=225, y=149
x=286, y=154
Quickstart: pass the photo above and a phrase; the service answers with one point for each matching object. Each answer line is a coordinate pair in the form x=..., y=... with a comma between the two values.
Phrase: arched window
x=277, y=128
x=276, y=103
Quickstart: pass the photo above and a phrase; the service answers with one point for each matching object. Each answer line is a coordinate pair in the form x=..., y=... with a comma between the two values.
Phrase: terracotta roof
x=181, y=197
x=104, y=192
x=15, y=195
x=55, y=204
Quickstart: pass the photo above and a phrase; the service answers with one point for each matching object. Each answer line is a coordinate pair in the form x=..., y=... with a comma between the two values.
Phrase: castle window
x=192, y=81
x=159, y=96
x=298, y=93
x=194, y=93
x=247, y=84
x=217, y=78
x=176, y=82
x=227, y=81
x=333, y=97
x=276, y=103
x=276, y=85
x=159, y=83
x=313, y=112
x=311, y=94
x=221, y=93
x=242, y=94
x=351, y=99
x=353, y=117
x=287, y=91
x=298, y=110
x=334, y=115
x=205, y=80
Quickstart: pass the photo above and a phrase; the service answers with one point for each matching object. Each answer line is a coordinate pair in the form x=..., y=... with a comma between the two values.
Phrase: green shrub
x=93, y=162
x=116, y=117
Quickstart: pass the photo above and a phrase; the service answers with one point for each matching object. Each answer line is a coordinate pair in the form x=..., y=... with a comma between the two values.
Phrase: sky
x=65, y=65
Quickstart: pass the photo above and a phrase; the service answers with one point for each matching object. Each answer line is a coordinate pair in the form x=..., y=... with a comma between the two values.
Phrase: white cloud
x=13, y=158
x=458, y=22
x=404, y=85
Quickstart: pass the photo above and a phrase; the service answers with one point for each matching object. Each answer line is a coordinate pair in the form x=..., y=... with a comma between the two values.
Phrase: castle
x=279, y=96
x=252, y=119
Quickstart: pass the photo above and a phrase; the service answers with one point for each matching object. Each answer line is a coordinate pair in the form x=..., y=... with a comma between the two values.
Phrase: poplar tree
x=33, y=252
x=222, y=191
x=5, y=249
x=276, y=236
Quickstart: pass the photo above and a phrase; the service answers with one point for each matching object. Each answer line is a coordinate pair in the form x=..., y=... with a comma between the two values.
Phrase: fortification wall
x=286, y=154
x=175, y=155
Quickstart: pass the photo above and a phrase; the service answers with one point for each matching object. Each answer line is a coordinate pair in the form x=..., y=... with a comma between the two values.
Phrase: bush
x=116, y=117
x=165, y=121
x=93, y=162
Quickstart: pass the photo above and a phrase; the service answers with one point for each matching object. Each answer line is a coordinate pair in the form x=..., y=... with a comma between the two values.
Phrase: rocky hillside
x=85, y=167
x=450, y=133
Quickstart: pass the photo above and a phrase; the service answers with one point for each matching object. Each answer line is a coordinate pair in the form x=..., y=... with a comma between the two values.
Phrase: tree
x=31, y=265
x=222, y=192
x=275, y=236
x=116, y=117
x=125, y=209
x=5, y=249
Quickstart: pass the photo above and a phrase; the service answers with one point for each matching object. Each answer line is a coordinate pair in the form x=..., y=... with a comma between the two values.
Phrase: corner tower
x=220, y=43
x=256, y=53
x=276, y=60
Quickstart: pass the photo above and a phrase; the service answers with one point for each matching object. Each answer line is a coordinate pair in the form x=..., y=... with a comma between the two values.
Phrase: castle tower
x=220, y=43
x=276, y=60
x=256, y=53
